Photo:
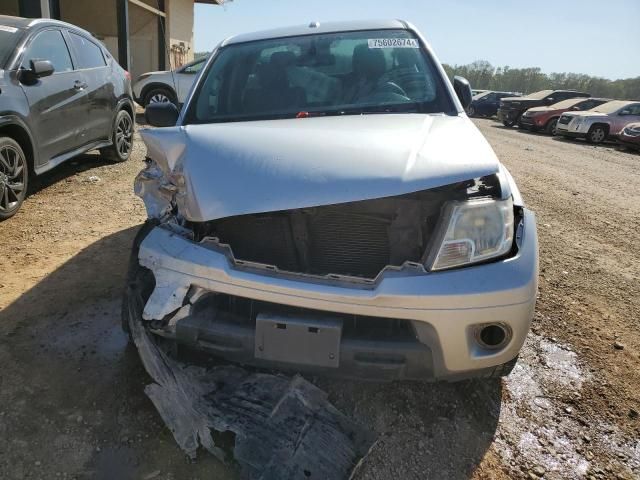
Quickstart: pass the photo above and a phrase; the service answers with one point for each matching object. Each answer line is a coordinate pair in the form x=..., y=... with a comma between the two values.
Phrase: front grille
x=321, y=240
x=353, y=239
x=343, y=242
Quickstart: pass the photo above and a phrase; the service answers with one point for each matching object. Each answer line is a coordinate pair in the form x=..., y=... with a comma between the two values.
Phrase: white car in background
x=601, y=122
x=166, y=86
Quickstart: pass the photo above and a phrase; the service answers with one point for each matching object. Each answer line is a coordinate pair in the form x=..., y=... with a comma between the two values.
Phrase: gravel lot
x=71, y=391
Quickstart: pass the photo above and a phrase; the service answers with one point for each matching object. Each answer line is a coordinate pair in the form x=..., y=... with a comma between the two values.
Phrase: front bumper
x=443, y=307
x=509, y=114
x=629, y=142
x=527, y=122
x=567, y=133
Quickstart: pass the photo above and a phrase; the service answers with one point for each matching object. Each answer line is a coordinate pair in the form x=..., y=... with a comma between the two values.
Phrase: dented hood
x=228, y=169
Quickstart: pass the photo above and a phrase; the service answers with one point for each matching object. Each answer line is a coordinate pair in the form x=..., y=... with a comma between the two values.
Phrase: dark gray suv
x=61, y=94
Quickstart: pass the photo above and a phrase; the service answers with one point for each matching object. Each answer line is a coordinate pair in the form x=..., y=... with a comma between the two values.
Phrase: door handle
x=79, y=85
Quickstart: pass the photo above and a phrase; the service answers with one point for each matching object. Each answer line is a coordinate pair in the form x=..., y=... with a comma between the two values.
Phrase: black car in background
x=61, y=94
x=486, y=104
x=512, y=108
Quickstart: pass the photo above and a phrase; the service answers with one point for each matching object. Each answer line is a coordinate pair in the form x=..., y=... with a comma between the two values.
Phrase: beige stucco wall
x=143, y=40
x=180, y=31
x=96, y=16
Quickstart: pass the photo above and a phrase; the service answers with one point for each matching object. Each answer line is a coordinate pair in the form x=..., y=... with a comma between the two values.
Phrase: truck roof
x=319, y=27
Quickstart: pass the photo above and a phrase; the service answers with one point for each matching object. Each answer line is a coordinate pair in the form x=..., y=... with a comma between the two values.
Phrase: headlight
x=477, y=230
x=632, y=132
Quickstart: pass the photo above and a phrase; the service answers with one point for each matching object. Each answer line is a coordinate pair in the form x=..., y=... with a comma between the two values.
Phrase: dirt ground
x=71, y=389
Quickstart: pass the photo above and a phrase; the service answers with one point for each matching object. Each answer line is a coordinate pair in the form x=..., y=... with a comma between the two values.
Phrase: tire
x=14, y=177
x=159, y=95
x=597, y=134
x=121, y=138
x=550, y=127
x=471, y=111
x=509, y=123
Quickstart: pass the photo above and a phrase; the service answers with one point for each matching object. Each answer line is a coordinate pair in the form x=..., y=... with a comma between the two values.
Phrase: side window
x=193, y=68
x=49, y=45
x=89, y=54
x=588, y=105
x=635, y=109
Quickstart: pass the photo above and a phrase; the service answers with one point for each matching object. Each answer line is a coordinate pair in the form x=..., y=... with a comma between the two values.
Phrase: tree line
x=482, y=75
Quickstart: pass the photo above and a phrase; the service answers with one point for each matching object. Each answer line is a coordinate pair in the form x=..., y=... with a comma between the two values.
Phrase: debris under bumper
x=407, y=324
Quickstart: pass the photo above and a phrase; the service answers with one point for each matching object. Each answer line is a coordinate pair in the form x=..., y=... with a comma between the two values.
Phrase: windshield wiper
x=367, y=110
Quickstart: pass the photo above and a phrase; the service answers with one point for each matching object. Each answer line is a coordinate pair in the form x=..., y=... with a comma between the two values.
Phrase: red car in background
x=538, y=118
x=629, y=136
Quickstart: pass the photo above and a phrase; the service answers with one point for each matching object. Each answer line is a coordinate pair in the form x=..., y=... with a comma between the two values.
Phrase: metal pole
x=162, y=41
x=122, y=13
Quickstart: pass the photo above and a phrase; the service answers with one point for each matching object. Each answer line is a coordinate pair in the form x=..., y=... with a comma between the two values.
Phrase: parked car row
x=512, y=108
x=568, y=113
x=546, y=118
x=603, y=122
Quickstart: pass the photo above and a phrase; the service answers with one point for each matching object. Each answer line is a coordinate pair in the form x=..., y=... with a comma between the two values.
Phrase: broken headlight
x=474, y=231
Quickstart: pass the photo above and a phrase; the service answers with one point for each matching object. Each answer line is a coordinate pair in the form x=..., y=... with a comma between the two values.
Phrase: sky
x=581, y=36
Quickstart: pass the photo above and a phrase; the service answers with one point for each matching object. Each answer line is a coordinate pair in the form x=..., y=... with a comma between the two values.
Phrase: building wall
x=144, y=41
x=180, y=31
x=99, y=18
x=95, y=16
x=9, y=7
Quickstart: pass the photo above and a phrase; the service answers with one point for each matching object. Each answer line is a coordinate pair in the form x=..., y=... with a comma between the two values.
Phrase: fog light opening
x=493, y=336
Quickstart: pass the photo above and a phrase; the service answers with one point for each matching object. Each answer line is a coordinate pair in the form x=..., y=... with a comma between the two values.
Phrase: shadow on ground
x=72, y=403
x=79, y=164
x=71, y=390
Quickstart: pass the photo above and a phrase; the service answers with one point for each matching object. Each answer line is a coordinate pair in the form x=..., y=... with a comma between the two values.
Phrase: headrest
x=367, y=61
x=283, y=59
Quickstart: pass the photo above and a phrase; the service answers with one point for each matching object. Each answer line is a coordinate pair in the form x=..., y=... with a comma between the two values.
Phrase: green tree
x=482, y=75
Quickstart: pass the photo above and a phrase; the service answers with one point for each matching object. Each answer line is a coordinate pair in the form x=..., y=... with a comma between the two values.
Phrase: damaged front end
x=269, y=263
x=272, y=426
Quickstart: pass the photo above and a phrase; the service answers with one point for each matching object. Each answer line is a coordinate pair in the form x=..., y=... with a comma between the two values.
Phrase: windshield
x=610, y=107
x=9, y=37
x=539, y=95
x=324, y=74
x=481, y=95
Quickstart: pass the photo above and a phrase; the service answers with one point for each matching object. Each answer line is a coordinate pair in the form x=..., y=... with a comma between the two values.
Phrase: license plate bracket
x=298, y=339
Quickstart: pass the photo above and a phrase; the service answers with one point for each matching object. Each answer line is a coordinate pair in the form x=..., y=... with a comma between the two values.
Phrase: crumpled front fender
x=155, y=189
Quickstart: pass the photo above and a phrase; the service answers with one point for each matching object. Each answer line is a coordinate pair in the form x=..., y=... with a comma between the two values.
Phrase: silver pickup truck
x=322, y=203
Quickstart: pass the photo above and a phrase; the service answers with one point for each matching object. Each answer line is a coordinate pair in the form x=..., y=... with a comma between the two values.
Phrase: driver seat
x=367, y=66
x=275, y=93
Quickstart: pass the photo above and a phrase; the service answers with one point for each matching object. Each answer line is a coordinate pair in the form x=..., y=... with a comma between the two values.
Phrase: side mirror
x=550, y=100
x=463, y=90
x=576, y=108
x=161, y=114
x=38, y=69
x=624, y=112
x=42, y=68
